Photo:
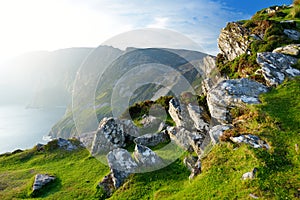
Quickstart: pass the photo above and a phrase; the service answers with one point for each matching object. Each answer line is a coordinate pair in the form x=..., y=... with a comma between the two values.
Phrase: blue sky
x=54, y=24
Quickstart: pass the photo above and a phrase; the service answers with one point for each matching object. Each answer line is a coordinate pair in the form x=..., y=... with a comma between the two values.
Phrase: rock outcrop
x=276, y=67
x=252, y=140
x=41, y=180
x=189, y=141
x=121, y=165
x=66, y=144
x=152, y=139
x=231, y=93
x=291, y=49
x=196, y=114
x=112, y=133
x=249, y=175
x=233, y=40
x=179, y=113
x=292, y=34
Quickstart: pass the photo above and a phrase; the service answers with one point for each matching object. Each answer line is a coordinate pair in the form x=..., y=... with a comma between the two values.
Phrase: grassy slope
x=77, y=174
x=277, y=121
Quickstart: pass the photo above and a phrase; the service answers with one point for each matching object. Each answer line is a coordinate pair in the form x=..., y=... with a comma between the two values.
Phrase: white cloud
x=52, y=24
x=159, y=22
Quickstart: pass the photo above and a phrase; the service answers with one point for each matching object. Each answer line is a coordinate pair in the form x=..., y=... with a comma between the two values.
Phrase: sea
x=22, y=128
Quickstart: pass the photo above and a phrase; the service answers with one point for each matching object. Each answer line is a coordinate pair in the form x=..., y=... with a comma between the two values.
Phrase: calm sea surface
x=22, y=128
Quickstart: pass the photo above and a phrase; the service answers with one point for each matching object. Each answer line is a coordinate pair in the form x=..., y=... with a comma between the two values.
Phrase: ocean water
x=22, y=128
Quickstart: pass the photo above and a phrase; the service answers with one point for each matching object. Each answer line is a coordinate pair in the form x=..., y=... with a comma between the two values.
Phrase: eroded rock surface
x=41, y=180
x=276, y=67
x=66, y=144
x=146, y=158
x=231, y=93
x=152, y=139
x=189, y=141
x=291, y=49
x=233, y=40
x=193, y=164
x=112, y=133
x=196, y=114
x=292, y=34
x=121, y=165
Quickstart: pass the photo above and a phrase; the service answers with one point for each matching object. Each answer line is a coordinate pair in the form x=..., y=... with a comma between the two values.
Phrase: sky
x=49, y=25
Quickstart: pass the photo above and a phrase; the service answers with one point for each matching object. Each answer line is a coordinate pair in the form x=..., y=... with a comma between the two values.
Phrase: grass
x=77, y=174
x=276, y=120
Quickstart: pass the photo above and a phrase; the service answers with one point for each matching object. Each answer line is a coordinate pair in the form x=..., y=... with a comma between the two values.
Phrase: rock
x=121, y=165
x=41, y=180
x=66, y=144
x=216, y=132
x=112, y=133
x=176, y=112
x=149, y=121
x=196, y=114
x=233, y=40
x=152, y=139
x=253, y=196
x=87, y=139
x=291, y=49
x=146, y=158
x=270, y=11
x=276, y=67
x=189, y=141
x=107, y=184
x=40, y=147
x=252, y=140
x=232, y=93
x=211, y=74
x=292, y=34
x=249, y=175
x=193, y=164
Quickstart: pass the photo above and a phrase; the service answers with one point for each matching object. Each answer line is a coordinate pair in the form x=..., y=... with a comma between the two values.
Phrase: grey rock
x=292, y=34
x=87, y=139
x=252, y=140
x=147, y=159
x=216, y=132
x=177, y=113
x=121, y=165
x=233, y=40
x=291, y=49
x=149, y=121
x=66, y=144
x=196, y=114
x=249, y=175
x=232, y=93
x=112, y=133
x=41, y=180
x=152, y=139
x=276, y=67
x=189, y=141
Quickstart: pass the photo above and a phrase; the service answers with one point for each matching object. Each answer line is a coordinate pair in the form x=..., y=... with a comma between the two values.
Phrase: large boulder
x=231, y=93
x=147, y=159
x=41, y=180
x=112, y=133
x=276, y=67
x=197, y=114
x=121, y=165
x=152, y=139
x=233, y=40
x=189, y=141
